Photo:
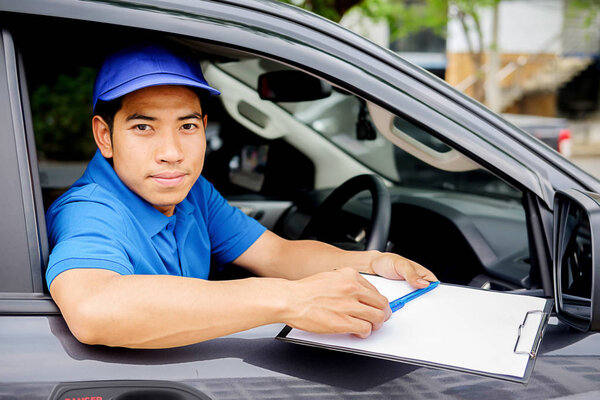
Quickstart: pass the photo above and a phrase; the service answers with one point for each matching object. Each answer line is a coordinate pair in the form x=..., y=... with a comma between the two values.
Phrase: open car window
x=442, y=198
x=281, y=158
x=393, y=146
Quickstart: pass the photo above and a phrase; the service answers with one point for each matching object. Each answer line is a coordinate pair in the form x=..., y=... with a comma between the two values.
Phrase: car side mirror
x=576, y=262
x=291, y=86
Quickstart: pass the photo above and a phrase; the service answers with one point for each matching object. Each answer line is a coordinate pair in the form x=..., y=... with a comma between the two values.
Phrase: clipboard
x=494, y=334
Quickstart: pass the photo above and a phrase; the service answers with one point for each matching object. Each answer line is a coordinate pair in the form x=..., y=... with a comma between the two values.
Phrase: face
x=158, y=143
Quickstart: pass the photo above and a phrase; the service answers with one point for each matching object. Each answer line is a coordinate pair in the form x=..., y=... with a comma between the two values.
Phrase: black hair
x=108, y=109
x=205, y=99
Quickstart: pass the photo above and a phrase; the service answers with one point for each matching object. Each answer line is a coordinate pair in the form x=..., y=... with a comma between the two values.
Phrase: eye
x=188, y=127
x=142, y=127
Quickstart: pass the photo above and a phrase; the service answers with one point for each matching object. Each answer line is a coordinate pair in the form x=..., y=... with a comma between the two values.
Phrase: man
x=132, y=240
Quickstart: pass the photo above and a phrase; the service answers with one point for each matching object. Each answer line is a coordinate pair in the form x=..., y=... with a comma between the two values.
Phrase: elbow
x=87, y=325
x=85, y=298
x=85, y=335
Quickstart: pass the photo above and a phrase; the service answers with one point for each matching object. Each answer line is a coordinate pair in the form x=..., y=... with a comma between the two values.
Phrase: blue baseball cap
x=146, y=65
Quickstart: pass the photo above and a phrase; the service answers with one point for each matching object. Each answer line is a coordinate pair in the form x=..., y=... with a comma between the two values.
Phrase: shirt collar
x=101, y=172
x=185, y=207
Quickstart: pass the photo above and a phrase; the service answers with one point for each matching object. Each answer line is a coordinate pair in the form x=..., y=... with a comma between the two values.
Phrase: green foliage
x=406, y=17
x=61, y=116
x=403, y=16
x=590, y=7
x=331, y=9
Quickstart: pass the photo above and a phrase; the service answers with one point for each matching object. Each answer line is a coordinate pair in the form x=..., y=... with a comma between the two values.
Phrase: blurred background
x=537, y=62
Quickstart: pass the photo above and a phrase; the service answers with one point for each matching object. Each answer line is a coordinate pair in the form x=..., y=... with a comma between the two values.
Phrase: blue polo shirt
x=100, y=223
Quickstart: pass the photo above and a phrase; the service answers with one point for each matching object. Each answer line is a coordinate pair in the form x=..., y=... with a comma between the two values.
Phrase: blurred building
x=548, y=59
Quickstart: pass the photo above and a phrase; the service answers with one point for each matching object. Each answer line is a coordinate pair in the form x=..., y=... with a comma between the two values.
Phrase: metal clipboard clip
x=538, y=336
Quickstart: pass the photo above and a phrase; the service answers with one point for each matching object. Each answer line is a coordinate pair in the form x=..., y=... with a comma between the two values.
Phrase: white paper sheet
x=451, y=326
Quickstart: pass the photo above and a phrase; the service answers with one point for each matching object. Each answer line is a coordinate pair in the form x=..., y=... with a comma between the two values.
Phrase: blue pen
x=401, y=301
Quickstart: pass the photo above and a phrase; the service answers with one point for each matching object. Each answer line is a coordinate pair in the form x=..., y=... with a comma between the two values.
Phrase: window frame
x=24, y=209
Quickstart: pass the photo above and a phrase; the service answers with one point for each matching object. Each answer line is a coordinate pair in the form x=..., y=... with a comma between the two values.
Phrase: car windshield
x=347, y=121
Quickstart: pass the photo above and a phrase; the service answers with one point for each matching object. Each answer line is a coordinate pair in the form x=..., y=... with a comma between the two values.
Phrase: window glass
x=344, y=119
x=442, y=199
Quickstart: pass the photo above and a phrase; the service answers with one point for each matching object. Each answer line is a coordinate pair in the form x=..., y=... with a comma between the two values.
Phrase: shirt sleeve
x=231, y=231
x=86, y=234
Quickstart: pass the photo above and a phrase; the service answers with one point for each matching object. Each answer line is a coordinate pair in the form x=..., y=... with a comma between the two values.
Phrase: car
x=478, y=201
x=554, y=132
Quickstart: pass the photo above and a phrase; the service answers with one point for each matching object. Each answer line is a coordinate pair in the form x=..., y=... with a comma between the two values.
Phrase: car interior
x=277, y=154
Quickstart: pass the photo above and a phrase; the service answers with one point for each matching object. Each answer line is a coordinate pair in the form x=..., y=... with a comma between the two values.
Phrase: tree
x=331, y=9
x=592, y=7
x=468, y=13
x=403, y=16
x=409, y=16
x=61, y=109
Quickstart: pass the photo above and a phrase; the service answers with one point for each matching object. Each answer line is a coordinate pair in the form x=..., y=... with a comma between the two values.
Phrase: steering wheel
x=380, y=213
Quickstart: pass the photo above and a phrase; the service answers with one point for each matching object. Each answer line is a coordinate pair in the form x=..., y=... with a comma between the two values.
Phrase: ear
x=102, y=136
x=205, y=120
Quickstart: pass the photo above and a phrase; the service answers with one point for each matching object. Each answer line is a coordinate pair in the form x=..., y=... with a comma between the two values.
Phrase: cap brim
x=153, y=80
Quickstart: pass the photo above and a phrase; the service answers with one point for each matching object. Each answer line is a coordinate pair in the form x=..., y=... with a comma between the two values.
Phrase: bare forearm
x=102, y=307
x=309, y=257
x=163, y=311
x=273, y=256
x=277, y=257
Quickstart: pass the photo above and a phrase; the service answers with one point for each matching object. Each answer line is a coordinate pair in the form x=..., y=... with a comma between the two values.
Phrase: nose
x=169, y=149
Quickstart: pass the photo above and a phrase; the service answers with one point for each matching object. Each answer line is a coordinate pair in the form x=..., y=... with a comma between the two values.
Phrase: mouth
x=168, y=179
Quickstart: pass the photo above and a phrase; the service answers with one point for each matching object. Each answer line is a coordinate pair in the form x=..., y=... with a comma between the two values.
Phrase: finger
x=368, y=294
x=425, y=273
x=372, y=296
x=363, y=281
x=362, y=329
x=373, y=316
x=378, y=307
x=417, y=277
x=365, y=303
x=374, y=299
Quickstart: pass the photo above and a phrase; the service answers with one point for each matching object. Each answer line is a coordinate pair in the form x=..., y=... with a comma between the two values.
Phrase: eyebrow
x=148, y=118
x=140, y=116
x=191, y=116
